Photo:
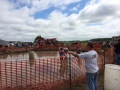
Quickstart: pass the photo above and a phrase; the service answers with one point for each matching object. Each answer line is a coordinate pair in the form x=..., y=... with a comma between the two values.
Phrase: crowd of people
x=46, y=42
x=91, y=58
x=30, y=44
x=63, y=51
x=116, y=46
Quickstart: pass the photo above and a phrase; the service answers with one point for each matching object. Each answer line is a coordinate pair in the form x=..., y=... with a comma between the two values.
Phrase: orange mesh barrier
x=46, y=74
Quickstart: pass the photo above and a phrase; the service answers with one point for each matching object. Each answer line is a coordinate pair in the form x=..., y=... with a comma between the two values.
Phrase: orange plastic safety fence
x=46, y=74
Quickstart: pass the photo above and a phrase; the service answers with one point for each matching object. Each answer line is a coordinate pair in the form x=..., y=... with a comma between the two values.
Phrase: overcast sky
x=23, y=20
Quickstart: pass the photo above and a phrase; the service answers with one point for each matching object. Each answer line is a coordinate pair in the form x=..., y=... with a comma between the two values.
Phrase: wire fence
x=48, y=74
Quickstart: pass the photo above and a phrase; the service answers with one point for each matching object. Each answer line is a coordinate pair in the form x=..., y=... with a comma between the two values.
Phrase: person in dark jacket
x=106, y=45
x=117, y=51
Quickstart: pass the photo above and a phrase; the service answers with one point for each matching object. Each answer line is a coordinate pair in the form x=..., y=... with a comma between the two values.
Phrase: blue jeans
x=118, y=59
x=92, y=83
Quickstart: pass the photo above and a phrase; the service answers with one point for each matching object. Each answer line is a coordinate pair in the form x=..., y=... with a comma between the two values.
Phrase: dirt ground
x=81, y=86
x=100, y=84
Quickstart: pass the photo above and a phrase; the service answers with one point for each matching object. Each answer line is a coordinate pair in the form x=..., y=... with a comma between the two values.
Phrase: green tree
x=38, y=37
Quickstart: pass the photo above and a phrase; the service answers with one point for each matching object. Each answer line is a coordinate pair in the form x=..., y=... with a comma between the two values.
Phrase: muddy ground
x=100, y=84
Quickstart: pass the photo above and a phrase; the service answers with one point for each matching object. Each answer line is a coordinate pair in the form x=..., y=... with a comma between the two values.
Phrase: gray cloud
x=95, y=20
x=97, y=12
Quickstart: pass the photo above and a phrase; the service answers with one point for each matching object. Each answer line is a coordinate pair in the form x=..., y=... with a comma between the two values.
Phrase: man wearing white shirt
x=91, y=66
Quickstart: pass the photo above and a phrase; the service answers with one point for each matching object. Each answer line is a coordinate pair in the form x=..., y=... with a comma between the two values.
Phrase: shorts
x=61, y=57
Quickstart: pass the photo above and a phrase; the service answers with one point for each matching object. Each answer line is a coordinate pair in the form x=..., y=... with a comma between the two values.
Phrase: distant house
x=3, y=42
x=11, y=43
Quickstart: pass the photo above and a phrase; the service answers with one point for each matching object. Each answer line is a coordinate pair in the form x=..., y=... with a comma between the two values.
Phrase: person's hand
x=74, y=54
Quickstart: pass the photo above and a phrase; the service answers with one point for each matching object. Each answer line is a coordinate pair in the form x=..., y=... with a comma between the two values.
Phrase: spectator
x=78, y=50
x=78, y=46
x=0, y=45
x=106, y=45
x=6, y=46
x=117, y=51
x=91, y=66
x=66, y=50
x=61, y=53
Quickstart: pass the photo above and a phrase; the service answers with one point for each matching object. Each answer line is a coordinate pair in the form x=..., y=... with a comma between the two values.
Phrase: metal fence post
x=70, y=71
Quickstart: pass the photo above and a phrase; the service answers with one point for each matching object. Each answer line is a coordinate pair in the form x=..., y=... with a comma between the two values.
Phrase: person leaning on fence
x=66, y=50
x=91, y=66
x=117, y=51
